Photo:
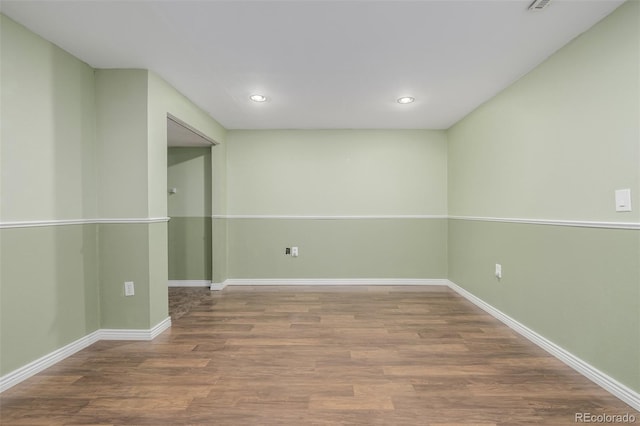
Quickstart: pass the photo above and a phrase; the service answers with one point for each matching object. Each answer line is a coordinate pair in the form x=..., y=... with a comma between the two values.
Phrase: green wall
x=132, y=108
x=219, y=227
x=122, y=101
x=121, y=110
x=163, y=100
x=49, y=294
x=319, y=176
x=48, y=130
x=358, y=203
x=338, y=248
x=555, y=145
x=189, y=171
x=83, y=153
x=578, y=287
x=337, y=172
x=190, y=233
x=124, y=257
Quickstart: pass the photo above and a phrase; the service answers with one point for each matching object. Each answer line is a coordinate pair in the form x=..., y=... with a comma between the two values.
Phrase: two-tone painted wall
x=49, y=292
x=357, y=203
x=190, y=232
x=526, y=180
x=554, y=147
x=83, y=208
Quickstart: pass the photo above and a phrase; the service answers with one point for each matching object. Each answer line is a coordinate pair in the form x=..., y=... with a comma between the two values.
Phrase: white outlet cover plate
x=129, y=289
x=623, y=200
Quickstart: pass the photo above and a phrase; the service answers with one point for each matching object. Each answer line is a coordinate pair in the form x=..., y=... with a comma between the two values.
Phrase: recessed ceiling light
x=258, y=98
x=406, y=100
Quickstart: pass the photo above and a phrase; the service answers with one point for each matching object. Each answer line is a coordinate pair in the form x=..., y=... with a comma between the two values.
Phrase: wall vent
x=539, y=5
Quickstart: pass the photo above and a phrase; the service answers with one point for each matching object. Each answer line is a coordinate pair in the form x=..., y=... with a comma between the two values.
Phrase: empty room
x=319, y=212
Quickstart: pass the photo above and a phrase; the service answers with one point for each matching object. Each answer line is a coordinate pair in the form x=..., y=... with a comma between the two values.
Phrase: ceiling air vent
x=539, y=5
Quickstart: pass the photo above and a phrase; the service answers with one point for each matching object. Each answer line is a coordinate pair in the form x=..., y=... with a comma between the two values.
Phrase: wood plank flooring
x=313, y=356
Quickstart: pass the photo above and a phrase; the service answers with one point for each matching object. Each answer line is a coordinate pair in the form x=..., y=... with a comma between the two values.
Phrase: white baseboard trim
x=163, y=325
x=218, y=286
x=23, y=373
x=334, y=281
x=325, y=281
x=40, y=364
x=124, y=334
x=608, y=383
x=189, y=283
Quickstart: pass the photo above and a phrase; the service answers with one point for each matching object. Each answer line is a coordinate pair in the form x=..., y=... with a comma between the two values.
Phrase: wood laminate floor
x=313, y=356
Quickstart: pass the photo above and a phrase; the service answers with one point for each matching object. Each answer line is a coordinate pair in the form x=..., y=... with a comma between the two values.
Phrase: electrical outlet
x=287, y=251
x=498, y=271
x=129, y=289
x=294, y=251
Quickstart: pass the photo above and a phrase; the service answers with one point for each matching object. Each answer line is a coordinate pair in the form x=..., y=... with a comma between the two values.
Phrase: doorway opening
x=189, y=206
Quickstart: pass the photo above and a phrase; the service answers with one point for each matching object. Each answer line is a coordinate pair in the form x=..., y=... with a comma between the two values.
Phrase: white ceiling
x=322, y=64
